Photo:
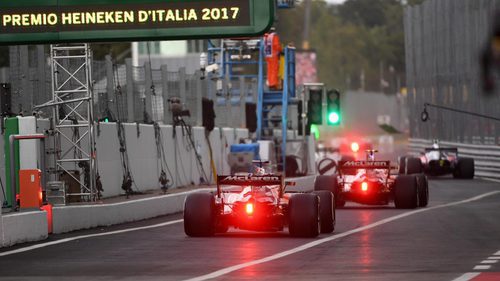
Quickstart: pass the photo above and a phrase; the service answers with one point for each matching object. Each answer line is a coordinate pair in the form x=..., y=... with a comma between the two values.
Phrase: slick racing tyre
x=199, y=215
x=402, y=165
x=329, y=183
x=326, y=211
x=303, y=215
x=464, y=168
x=413, y=166
x=406, y=192
x=423, y=190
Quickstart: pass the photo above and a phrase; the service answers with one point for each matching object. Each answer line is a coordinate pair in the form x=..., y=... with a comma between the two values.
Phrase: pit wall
x=22, y=227
x=31, y=226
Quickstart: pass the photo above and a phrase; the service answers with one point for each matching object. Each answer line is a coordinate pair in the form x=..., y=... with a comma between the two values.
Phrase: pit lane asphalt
x=439, y=244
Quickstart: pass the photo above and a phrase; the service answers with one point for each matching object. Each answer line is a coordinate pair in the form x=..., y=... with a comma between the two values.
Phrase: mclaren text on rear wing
x=364, y=165
x=250, y=179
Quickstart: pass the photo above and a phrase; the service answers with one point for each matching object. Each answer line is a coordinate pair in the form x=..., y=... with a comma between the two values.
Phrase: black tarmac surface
x=435, y=244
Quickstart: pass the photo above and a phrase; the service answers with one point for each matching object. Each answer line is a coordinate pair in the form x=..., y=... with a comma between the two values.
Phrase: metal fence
x=129, y=93
x=444, y=40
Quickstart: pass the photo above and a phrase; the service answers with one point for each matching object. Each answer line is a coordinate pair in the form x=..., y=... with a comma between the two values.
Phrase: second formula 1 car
x=372, y=182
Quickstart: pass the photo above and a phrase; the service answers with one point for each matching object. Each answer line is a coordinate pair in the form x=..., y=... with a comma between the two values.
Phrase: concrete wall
x=23, y=227
x=146, y=167
x=142, y=153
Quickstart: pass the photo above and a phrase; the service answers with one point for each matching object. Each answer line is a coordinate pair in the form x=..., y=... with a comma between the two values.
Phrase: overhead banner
x=38, y=21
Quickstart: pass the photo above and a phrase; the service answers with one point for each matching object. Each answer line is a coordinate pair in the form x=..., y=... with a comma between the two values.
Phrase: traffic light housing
x=315, y=107
x=333, y=115
x=251, y=116
x=208, y=114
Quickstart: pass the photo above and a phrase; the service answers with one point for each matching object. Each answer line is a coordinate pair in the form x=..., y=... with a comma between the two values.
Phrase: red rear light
x=364, y=186
x=354, y=147
x=249, y=208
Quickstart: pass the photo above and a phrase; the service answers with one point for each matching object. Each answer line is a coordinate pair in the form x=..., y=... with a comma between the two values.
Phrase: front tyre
x=329, y=183
x=413, y=166
x=465, y=168
x=326, y=211
x=423, y=190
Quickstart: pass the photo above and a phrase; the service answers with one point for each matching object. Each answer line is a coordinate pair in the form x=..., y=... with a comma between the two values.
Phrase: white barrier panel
x=144, y=163
x=486, y=157
x=28, y=149
x=70, y=218
x=24, y=227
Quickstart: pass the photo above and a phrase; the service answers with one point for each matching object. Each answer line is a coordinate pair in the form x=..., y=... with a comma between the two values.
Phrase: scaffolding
x=232, y=55
x=72, y=125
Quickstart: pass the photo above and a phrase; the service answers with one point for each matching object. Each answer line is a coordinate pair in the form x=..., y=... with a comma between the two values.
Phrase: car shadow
x=389, y=207
x=232, y=233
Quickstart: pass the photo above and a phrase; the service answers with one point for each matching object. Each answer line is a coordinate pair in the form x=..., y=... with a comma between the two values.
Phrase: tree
x=352, y=40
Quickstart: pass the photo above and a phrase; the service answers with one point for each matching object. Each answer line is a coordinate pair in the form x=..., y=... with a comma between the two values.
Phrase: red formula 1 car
x=371, y=182
x=258, y=203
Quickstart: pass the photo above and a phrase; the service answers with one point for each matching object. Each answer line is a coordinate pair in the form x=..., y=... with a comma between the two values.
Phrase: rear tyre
x=329, y=183
x=423, y=190
x=413, y=166
x=303, y=215
x=402, y=165
x=199, y=215
x=464, y=169
x=406, y=192
x=326, y=211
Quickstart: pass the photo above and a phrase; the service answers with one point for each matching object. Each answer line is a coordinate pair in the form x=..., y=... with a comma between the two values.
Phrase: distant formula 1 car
x=371, y=182
x=437, y=161
x=258, y=203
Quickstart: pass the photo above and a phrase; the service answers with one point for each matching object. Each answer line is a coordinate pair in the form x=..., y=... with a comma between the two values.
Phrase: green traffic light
x=333, y=118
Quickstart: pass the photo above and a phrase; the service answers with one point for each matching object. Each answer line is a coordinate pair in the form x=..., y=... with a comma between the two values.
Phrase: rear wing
x=442, y=149
x=249, y=179
x=351, y=167
x=344, y=165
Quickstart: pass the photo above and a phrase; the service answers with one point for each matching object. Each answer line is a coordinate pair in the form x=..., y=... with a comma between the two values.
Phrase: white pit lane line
x=312, y=244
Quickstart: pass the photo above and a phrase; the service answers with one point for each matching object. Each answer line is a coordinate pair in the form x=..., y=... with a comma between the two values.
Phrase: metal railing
x=486, y=157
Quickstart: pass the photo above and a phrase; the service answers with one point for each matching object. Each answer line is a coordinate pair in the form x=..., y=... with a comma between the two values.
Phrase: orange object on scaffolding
x=272, y=50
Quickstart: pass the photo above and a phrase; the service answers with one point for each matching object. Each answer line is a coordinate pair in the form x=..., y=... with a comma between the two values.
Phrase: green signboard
x=53, y=21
